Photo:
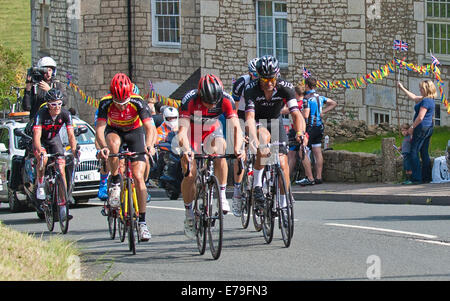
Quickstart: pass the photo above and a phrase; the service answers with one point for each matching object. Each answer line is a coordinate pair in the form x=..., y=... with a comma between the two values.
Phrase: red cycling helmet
x=121, y=87
x=210, y=89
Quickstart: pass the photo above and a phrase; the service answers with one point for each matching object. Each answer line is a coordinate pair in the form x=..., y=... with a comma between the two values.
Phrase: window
x=272, y=29
x=438, y=26
x=380, y=117
x=166, y=23
x=45, y=26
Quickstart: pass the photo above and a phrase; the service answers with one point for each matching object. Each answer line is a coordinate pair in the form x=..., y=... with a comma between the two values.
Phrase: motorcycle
x=168, y=168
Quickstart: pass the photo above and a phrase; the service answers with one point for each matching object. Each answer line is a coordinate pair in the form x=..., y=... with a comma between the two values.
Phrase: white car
x=8, y=149
x=87, y=176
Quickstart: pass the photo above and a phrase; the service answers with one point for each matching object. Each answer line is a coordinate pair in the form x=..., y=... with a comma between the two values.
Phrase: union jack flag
x=400, y=45
x=434, y=60
x=306, y=73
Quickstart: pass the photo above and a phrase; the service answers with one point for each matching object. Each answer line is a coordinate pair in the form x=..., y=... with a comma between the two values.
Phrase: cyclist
x=49, y=120
x=199, y=123
x=264, y=100
x=238, y=95
x=124, y=117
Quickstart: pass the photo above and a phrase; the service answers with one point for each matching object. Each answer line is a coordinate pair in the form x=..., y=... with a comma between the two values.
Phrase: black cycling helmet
x=267, y=66
x=53, y=94
x=210, y=89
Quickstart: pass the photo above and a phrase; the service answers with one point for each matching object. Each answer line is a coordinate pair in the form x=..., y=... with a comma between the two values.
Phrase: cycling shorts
x=135, y=140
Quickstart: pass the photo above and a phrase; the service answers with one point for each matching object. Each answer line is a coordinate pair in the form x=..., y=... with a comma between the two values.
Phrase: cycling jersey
x=135, y=113
x=315, y=103
x=50, y=140
x=207, y=119
x=50, y=126
x=255, y=100
x=238, y=93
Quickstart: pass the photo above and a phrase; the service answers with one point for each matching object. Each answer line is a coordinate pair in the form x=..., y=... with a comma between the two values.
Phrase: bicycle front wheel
x=112, y=222
x=246, y=199
x=131, y=219
x=285, y=216
x=62, y=202
x=268, y=218
x=49, y=214
x=200, y=220
x=215, y=217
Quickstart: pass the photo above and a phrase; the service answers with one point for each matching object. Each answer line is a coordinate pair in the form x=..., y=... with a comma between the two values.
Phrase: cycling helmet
x=267, y=66
x=252, y=65
x=53, y=94
x=171, y=112
x=210, y=89
x=121, y=87
x=47, y=61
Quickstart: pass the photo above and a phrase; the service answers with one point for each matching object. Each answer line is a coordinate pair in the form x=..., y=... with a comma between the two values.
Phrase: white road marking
x=383, y=230
x=168, y=208
x=435, y=242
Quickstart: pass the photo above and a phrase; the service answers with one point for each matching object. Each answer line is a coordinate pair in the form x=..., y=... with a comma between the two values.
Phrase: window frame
x=45, y=26
x=275, y=16
x=155, y=28
x=432, y=20
x=379, y=112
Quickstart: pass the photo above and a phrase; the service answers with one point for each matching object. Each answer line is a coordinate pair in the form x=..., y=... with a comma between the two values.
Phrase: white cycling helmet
x=252, y=65
x=171, y=112
x=47, y=61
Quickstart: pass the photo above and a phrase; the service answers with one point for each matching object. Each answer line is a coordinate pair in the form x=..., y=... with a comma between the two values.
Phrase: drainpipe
x=130, y=53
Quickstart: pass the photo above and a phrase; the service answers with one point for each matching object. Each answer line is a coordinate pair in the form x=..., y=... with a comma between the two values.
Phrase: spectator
x=314, y=112
x=293, y=145
x=170, y=116
x=406, y=152
x=421, y=130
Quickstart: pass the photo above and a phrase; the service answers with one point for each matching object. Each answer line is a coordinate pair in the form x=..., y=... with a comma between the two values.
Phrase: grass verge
x=438, y=143
x=25, y=257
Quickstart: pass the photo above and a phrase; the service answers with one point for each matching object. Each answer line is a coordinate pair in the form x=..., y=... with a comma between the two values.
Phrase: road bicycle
x=208, y=214
x=274, y=186
x=56, y=203
x=125, y=218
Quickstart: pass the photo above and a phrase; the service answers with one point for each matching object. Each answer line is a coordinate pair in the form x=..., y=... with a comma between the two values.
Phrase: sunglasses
x=267, y=80
x=124, y=102
x=55, y=104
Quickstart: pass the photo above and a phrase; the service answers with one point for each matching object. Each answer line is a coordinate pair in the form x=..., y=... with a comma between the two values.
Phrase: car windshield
x=85, y=138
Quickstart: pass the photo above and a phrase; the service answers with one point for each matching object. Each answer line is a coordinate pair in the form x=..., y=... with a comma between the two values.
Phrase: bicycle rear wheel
x=62, y=203
x=200, y=220
x=267, y=218
x=112, y=222
x=285, y=221
x=215, y=217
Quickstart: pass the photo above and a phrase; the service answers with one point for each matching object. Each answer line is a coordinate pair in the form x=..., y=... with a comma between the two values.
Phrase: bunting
x=384, y=71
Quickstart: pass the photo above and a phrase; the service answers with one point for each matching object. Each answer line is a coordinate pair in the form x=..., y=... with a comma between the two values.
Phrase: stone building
x=173, y=42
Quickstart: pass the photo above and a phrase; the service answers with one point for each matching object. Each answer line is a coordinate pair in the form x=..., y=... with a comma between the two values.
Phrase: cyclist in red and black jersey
x=124, y=117
x=49, y=120
x=264, y=99
x=199, y=124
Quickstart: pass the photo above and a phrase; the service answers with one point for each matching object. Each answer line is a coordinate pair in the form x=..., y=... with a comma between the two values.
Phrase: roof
x=189, y=84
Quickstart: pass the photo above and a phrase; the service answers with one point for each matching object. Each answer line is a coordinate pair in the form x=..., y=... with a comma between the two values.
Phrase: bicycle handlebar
x=202, y=156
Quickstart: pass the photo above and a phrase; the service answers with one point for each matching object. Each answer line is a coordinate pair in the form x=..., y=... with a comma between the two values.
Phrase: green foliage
x=12, y=73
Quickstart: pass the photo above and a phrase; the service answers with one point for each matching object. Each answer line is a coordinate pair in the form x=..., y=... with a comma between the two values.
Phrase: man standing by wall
x=314, y=111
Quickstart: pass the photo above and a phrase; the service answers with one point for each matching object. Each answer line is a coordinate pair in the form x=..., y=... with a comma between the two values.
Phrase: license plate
x=87, y=176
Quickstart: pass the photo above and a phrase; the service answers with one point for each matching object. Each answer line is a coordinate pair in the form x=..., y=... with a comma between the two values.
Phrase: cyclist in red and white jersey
x=199, y=125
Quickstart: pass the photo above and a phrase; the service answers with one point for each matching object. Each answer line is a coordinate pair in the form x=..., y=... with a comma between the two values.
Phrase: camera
x=37, y=74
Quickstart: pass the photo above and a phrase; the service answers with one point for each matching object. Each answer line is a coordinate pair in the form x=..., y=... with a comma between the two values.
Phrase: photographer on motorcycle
x=40, y=80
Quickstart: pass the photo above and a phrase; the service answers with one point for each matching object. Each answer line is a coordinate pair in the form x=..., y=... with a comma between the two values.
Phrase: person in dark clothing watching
x=35, y=91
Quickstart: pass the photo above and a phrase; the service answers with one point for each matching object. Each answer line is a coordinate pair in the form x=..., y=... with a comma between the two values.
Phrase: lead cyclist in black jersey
x=265, y=97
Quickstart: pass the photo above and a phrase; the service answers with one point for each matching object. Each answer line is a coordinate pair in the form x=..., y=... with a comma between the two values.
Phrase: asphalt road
x=332, y=241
